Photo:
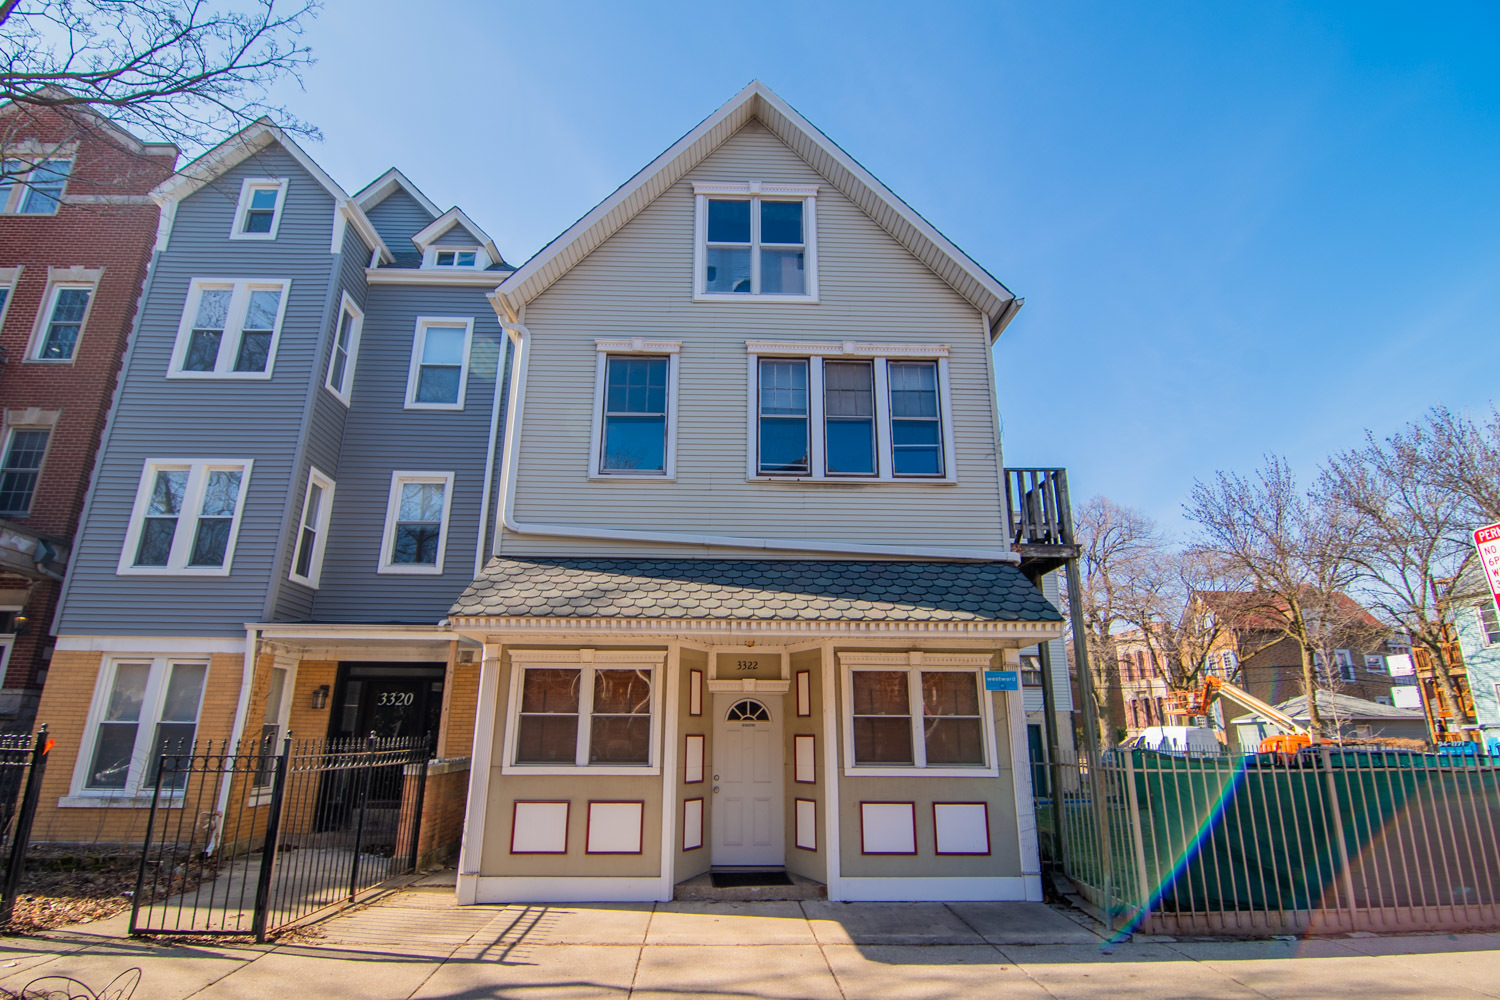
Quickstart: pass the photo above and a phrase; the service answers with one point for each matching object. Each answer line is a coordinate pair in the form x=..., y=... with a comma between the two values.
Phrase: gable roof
x=246, y=143
x=1336, y=703
x=1252, y=610
x=386, y=185
x=757, y=101
x=455, y=217
x=85, y=109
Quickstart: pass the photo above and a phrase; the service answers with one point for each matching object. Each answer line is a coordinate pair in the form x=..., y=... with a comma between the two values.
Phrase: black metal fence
x=23, y=762
x=250, y=839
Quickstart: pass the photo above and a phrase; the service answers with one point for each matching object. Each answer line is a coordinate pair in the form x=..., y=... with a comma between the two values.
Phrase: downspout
x=241, y=709
x=522, y=337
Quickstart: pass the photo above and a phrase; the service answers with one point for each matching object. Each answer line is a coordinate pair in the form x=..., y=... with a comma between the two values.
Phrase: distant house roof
x=1250, y=610
x=1332, y=703
x=795, y=589
x=846, y=174
x=386, y=185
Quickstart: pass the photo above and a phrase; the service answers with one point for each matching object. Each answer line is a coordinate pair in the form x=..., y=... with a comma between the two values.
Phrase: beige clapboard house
x=753, y=561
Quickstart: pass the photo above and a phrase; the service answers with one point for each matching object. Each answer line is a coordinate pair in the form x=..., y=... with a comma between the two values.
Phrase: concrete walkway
x=418, y=943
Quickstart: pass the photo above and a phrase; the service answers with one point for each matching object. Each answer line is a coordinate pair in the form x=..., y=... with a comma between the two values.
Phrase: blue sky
x=1239, y=228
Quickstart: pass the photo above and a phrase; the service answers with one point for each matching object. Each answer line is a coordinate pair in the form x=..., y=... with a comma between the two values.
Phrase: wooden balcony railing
x=1041, y=517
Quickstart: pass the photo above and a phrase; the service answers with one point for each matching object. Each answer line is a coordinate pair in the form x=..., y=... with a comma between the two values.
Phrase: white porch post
x=471, y=852
x=831, y=732
x=1020, y=778
x=671, y=708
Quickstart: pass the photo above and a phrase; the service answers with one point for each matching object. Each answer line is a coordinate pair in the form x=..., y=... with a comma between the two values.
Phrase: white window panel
x=257, y=216
x=186, y=517
x=142, y=706
x=416, y=523
x=344, y=351
x=312, y=531
x=439, y=375
x=755, y=242
x=230, y=329
x=454, y=257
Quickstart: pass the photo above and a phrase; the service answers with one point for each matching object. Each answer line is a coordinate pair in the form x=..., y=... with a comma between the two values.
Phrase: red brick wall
x=116, y=238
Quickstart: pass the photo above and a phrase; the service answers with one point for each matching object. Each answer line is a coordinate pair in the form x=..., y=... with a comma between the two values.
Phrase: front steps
x=700, y=888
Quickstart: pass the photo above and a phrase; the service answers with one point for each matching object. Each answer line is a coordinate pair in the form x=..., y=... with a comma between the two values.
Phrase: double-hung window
x=144, y=707
x=186, y=518
x=229, y=329
x=20, y=467
x=1344, y=660
x=584, y=709
x=755, y=240
x=312, y=530
x=439, y=373
x=635, y=404
x=33, y=187
x=345, y=350
x=916, y=711
x=828, y=415
x=65, y=310
x=416, y=522
x=1489, y=623
x=257, y=216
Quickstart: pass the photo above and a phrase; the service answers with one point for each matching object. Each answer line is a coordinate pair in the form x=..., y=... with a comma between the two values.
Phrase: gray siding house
x=292, y=486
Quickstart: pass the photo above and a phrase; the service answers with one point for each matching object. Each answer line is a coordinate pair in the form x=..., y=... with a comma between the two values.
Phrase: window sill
x=341, y=397
x=47, y=361
x=859, y=480
x=171, y=571
x=806, y=300
x=29, y=215
x=96, y=800
x=421, y=570
x=230, y=376
x=445, y=407
x=302, y=581
x=601, y=770
x=609, y=477
x=254, y=237
x=865, y=771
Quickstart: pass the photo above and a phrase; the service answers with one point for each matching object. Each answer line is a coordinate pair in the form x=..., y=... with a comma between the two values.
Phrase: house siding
x=158, y=417
x=639, y=283
x=457, y=235
x=381, y=437
x=397, y=218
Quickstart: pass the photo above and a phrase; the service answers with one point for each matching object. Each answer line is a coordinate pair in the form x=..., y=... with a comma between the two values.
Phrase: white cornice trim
x=454, y=217
x=386, y=184
x=412, y=276
x=636, y=345
x=756, y=187
x=846, y=348
x=1029, y=632
x=915, y=658
x=520, y=657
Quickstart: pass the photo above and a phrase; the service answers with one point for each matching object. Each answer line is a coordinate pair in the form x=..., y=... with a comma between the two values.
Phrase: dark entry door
x=388, y=699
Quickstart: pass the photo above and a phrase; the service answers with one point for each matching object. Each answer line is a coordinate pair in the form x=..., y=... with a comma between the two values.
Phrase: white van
x=1199, y=741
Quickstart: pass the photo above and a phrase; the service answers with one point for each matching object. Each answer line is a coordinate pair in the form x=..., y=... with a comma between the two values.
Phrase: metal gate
x=248, y=840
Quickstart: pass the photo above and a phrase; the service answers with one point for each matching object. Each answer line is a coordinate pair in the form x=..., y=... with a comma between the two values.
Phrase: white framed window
x=439, y=375
x=584, y=712
x=416, y=522
x=917, y=712
x=755, y=242
x=186, y=517
x=1489, y=622
x=312, y=530
x=345, y=350
x=1375, y=664
x=451, y=257
x=635, y=409
x=21, y=468
x=257, y=216
x=229, y=329
x=65, y=312
x=34, y=186
x=847, y=411
x=143, y=706
x=1344, y=660
x=274, y=721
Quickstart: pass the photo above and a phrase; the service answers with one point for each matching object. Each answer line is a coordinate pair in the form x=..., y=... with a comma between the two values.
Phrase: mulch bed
x=60, y=889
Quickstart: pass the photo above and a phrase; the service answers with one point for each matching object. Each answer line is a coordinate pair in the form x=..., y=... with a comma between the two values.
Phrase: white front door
x=747, y=782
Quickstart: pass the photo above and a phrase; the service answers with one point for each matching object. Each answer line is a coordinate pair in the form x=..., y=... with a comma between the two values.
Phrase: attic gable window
x=755, y=242
x=455, y=258
x=258, y=214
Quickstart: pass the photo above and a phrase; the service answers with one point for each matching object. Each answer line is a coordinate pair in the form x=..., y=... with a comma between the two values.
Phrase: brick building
x=76, y=231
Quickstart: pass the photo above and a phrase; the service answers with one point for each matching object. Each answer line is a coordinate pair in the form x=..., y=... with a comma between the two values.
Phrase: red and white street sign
x=1487, y=541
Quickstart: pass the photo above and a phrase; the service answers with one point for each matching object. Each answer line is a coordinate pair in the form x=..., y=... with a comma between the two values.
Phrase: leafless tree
x=1294, y=550
x=1164, y=606
x=186, y=72
x=1117, y=541
x=1461, y=454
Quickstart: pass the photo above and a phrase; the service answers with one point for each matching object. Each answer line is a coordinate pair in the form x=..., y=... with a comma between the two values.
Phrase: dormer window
x=258, y=214
x=755, y=241
x=455, y=258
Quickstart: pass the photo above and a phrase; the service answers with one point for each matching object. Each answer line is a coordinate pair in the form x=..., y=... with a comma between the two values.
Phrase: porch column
x=471, y=852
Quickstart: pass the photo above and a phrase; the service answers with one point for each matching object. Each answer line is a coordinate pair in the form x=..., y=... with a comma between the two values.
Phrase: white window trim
x=21, y=186
x=753, y=191
x=603, y=348
x=481, y=257
x=346, y=306
x=192, y=502
x=57, y=281
x=8, y=432
x=393, y=503
x=262, y=796
x=234, y=326
x=587, y=660
x=242, y=208
x=320, y=529
x=418, y=340
x=10, y=280
x=819, y=351
x=79, y=794
x=915, y=663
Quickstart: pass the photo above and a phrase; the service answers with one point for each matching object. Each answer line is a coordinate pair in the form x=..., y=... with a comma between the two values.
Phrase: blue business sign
x=1002, y=680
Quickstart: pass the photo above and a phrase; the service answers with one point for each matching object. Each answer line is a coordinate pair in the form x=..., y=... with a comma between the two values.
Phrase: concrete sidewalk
x=418, y=943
